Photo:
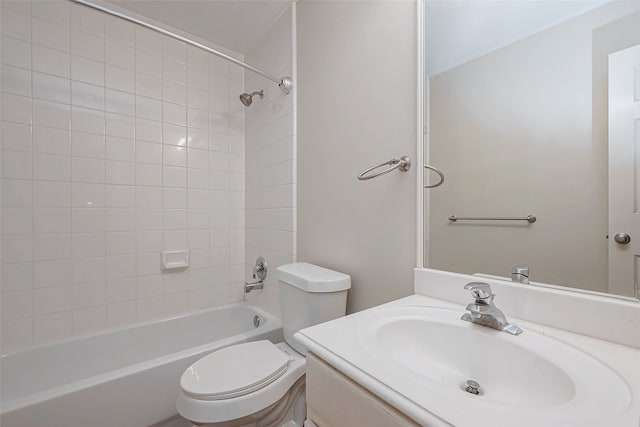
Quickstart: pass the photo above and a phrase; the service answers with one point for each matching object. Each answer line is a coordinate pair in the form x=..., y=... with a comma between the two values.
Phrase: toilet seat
x=234, y=371
x=197, y=405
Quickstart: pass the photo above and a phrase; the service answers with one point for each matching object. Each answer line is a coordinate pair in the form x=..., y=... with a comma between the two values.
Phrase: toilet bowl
x=260, y=383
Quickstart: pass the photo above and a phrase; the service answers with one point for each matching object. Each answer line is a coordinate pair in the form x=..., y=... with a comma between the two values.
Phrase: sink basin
x=433, y=348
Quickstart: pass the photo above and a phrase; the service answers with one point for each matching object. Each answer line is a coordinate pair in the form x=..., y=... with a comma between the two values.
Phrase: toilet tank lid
x=312, y=278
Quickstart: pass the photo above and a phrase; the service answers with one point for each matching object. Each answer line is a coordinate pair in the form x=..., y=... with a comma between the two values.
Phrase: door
x=624, y=171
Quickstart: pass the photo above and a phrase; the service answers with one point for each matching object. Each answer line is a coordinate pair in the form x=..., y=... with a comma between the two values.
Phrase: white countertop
x=339, y=343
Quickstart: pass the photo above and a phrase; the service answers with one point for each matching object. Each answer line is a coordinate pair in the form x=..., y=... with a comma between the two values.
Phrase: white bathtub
x=121, y=378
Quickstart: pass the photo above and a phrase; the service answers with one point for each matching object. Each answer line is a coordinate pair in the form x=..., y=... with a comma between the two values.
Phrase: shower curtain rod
x=285, y=83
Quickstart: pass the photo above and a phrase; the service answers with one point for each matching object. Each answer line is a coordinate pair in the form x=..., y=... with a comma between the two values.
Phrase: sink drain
x=256, y=321
x=472, y=387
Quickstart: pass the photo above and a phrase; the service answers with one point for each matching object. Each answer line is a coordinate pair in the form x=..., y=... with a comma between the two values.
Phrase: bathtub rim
x=107, y=331
x=273, y=324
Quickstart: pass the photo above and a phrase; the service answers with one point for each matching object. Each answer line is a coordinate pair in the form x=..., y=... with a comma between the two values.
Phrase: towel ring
x=439, y=173
x=403, y=163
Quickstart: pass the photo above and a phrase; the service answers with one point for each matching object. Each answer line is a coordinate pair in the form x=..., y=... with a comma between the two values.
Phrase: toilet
x=259, y=383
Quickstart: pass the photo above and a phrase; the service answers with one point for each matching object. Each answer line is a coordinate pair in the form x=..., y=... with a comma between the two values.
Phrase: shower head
x=247, y=99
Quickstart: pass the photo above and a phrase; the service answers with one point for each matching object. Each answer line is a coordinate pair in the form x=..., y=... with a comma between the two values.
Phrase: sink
x=436, y=350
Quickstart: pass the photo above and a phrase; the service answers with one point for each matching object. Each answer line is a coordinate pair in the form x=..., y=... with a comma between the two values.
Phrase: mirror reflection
x=533, y=109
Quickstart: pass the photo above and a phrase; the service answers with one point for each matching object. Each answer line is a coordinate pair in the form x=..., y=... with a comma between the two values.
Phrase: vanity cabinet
x=334, y=400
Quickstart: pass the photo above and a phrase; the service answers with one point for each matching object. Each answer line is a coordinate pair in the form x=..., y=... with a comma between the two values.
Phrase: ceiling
x=457, y=31
x=233, y=24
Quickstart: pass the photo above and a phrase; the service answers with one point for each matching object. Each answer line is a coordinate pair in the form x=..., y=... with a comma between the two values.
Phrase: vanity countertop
x=432, y=400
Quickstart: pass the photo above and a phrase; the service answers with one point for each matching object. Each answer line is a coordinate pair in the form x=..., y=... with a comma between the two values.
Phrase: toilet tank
x=309, y=295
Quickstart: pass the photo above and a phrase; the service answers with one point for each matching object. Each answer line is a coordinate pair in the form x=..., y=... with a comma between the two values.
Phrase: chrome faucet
x=520, y=274
x=484, y=312
x=260, y=273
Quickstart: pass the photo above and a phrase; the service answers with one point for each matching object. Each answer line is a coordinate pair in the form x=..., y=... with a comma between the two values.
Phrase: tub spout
x=248, y=287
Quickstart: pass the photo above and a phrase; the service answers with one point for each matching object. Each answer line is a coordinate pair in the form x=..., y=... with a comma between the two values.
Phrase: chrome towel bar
x=403, y=163
x=529, y=218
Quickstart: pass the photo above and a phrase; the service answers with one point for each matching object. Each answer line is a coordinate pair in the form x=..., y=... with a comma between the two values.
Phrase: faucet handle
x=479, y=290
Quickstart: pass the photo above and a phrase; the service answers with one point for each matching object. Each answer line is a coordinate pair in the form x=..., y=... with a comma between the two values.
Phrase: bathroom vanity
x=411, y=361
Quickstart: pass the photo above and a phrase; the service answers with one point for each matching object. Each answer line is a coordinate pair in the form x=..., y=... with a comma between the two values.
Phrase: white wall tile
x=120, y=196
x=87, y=70
x=148, y=175
x=120, y=126
x=120, y=102
x=119, y=55
x=87, y=170
x=88, y=245
x=174, y=114
x=16, y=109
x=121, y=173
x=51, y=114
x=119, y=219
x=52, y=327
x=88, y=96
x=16, y=81
x=51, y=246
x=89, y=145
x=174, y=92
x=51, y=194
x=15, y=24
x=16, y=164
x=51, y=88
x=87, y=20
x=51, y=10
x=87, y=45
x=50, y=34
x=16, y=221
x=17, y=334
x=148, y=152
x=174, y=156
x=87, y=220
x=121, y=290
x=16, y=277
x=51, y=220
x=121, y=313
x=120, y=79
x=51, y=61
x=15, y=136
x=16, y=193
x=86, y=270
x=148, y=197
x=174, y=135
x=121, y=149
x=148, y=63
x=174, y=176
x=87, y=120
x=15, y=52
x=119, y=30
x=89, y=320
x=48, y=167
x=17, y=249
x=52, y=273
x=51, y=141
x=148, y=40
x=85, y=195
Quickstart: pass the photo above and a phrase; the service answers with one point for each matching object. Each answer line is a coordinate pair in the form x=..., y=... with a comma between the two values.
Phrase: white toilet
x=260, y=383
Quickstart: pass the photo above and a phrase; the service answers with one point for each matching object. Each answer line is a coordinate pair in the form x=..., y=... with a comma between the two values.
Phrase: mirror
x=518, y=120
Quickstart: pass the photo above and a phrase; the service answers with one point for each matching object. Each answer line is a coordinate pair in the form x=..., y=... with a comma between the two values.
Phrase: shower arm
x=284, y=83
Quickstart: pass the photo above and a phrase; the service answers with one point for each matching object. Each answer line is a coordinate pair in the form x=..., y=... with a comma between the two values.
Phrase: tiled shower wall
x=117, y=143
x=270, y=160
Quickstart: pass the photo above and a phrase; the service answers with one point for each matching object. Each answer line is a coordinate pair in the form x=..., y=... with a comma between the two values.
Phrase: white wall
x=357, y=108
x=270, y=160
x=117, y=143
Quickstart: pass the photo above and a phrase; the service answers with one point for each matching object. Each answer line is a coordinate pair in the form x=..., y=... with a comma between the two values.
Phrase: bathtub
x=120, y=378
